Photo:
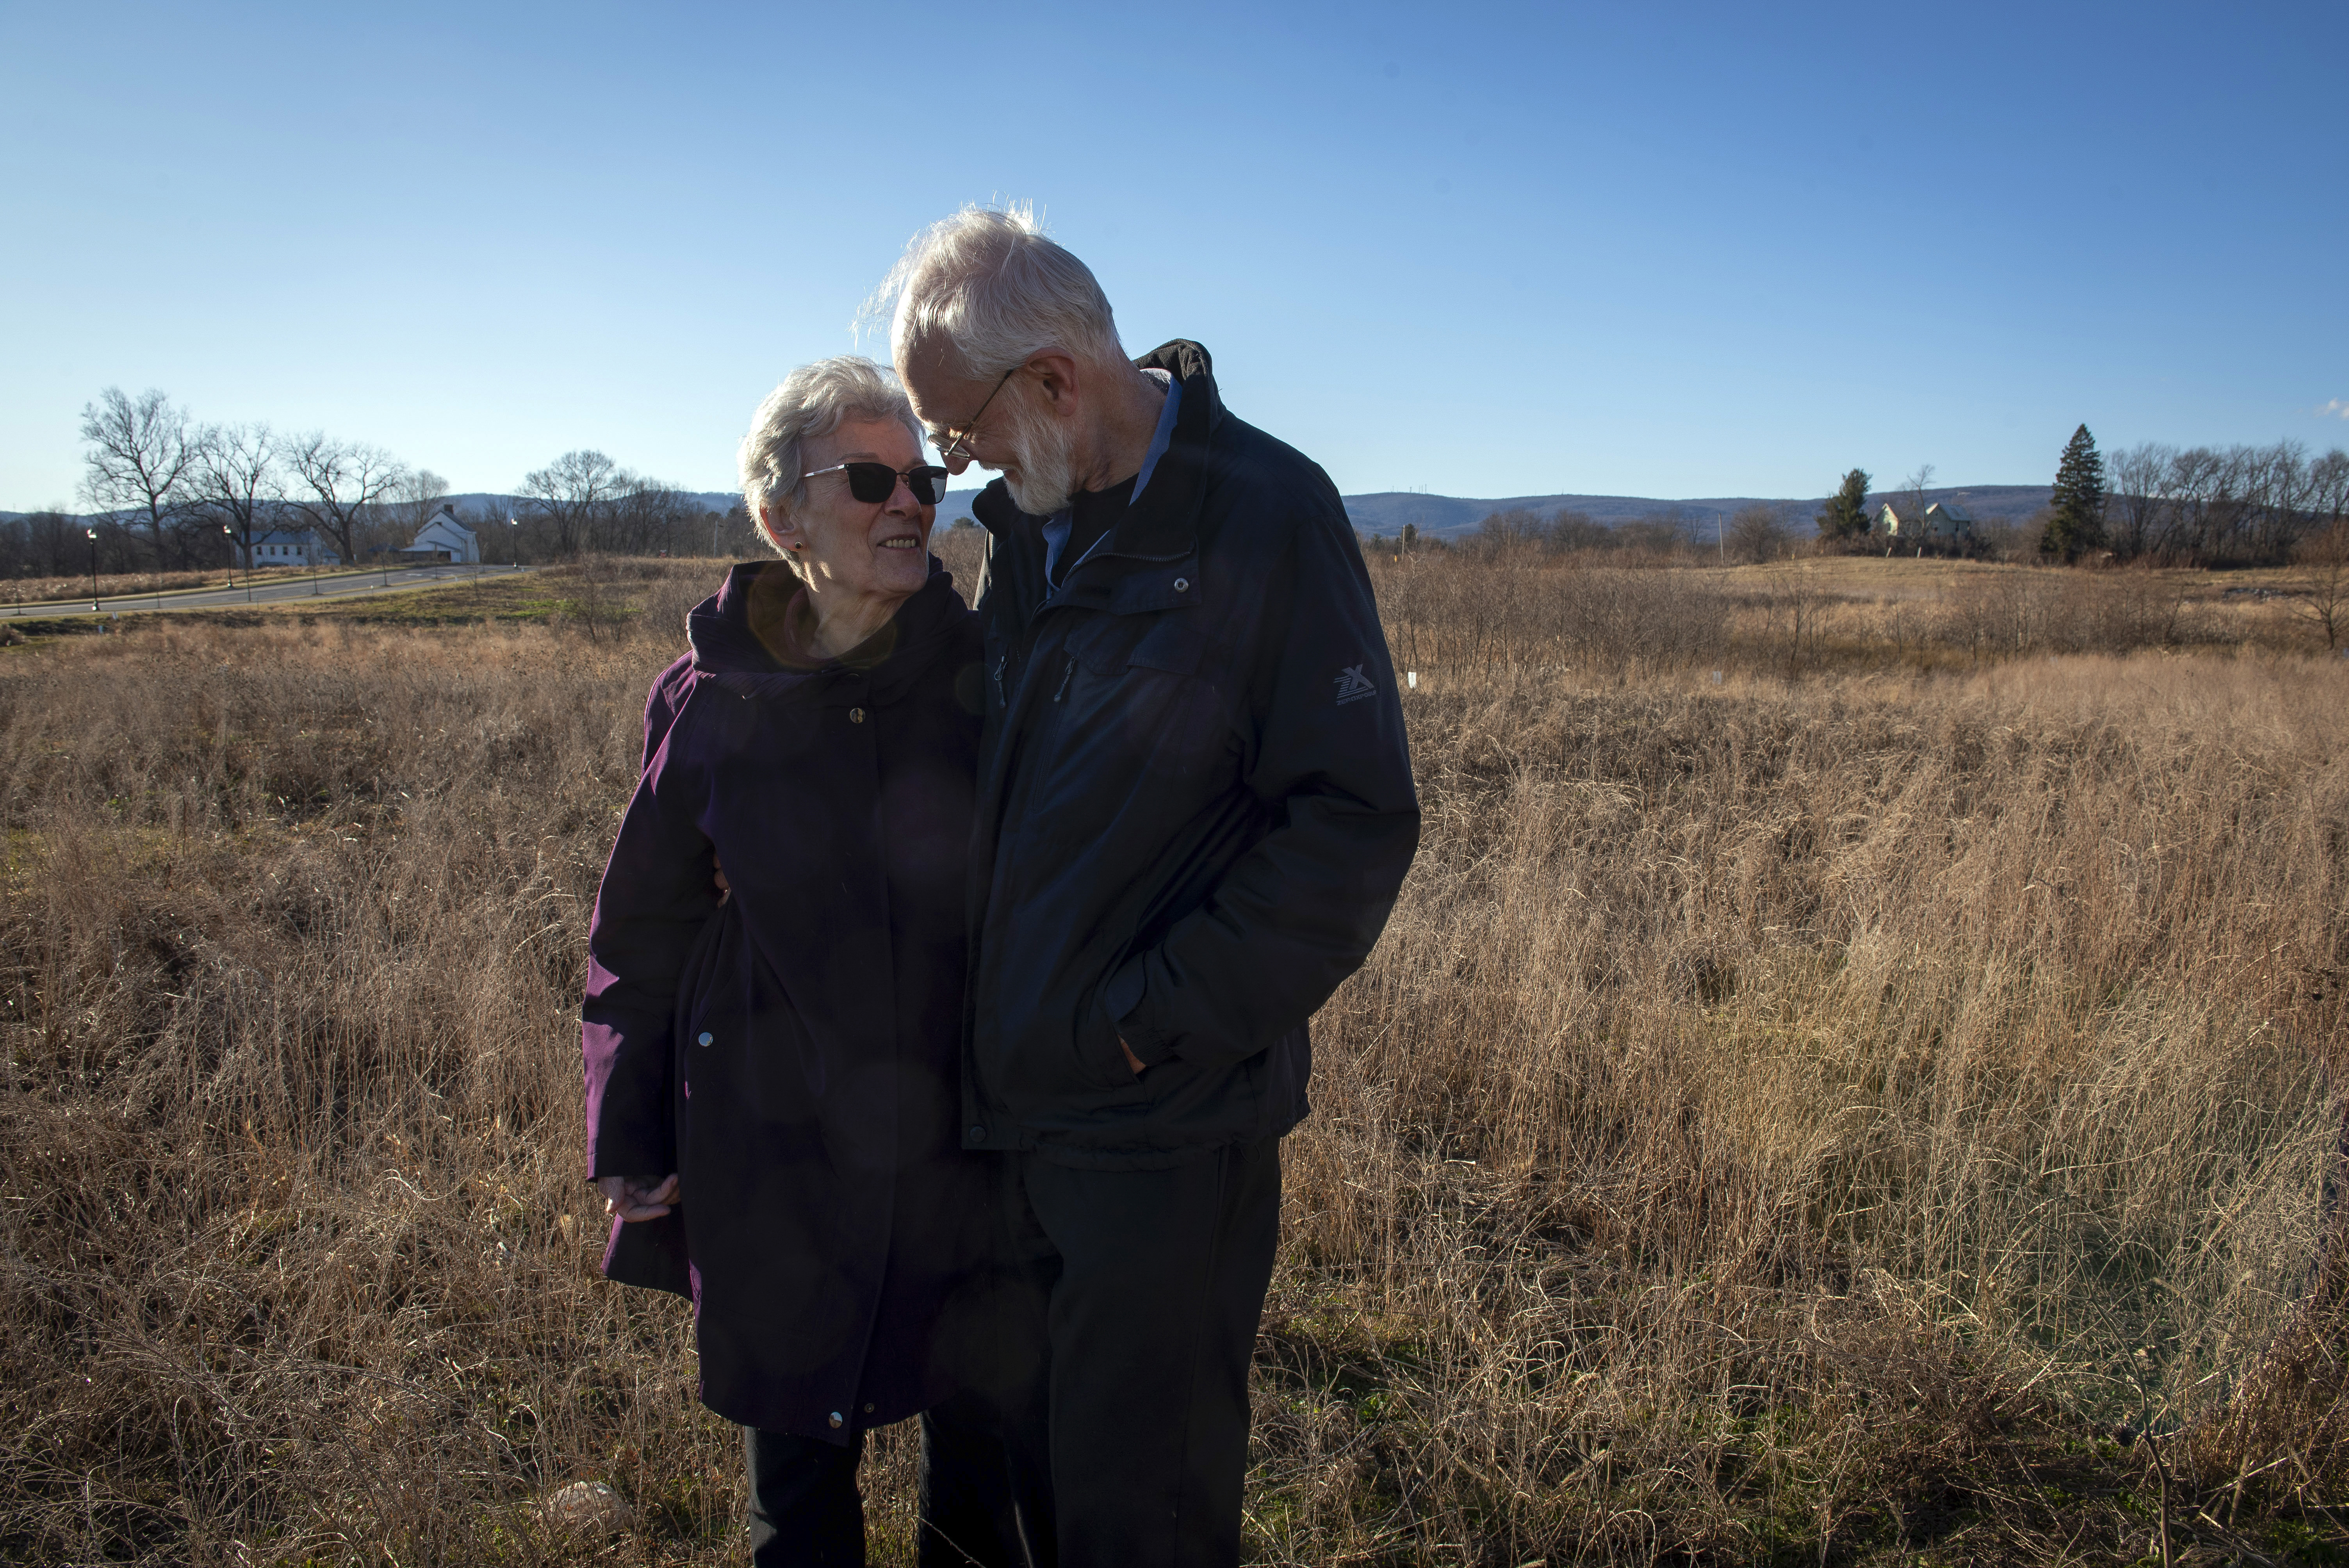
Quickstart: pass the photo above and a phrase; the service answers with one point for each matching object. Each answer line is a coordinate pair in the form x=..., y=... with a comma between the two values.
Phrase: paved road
x=276, y=591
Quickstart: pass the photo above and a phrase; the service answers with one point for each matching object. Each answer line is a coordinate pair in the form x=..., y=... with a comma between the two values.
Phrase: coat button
x=1182, y=584
x=705, y=1036
x=835, y=1418
x=868, y=1408
x=977, y=1132
x=856, y=716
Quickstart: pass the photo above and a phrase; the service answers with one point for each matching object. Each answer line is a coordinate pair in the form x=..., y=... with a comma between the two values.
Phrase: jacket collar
x=1164, y=525
x=751, y=635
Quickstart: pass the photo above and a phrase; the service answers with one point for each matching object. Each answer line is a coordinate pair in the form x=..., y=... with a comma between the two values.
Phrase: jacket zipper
x=1002, y=659
x=1066, y=676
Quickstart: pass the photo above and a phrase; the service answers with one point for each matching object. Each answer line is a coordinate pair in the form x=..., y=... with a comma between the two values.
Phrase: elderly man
x=1195, y=810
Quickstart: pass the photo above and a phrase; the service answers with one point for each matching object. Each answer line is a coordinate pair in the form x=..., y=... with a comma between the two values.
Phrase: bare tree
x=1571, y=532
x=414, y=500
x=570, y=493
x=2276, y=489
x=141, y=458
x=338, y=485
x=1515, y=531
x=2325, y=598
x=1759, y=533
x=237, y=482
x=1658, y=533
x=647, y=517
x=1913, y=489
x=2198, y=487
x=2328, y=486
x=2138, y=494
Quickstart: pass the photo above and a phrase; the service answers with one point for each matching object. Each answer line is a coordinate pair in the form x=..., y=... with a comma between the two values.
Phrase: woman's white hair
x=989, y=289
x=811, y=403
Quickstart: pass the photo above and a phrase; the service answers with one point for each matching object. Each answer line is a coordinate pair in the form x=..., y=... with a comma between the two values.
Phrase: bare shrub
x=1759, y=533
x=2324, y=603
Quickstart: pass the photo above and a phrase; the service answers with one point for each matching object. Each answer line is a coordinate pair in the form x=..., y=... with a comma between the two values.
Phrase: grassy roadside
x=593, y=597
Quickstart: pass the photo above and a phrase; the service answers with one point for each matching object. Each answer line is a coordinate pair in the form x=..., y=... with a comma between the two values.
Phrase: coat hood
x=752, y=635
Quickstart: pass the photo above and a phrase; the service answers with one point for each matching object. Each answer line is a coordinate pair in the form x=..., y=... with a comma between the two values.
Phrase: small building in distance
x=297, y=547
x=443, y=538
x=1948, y=522
x=1944, y=526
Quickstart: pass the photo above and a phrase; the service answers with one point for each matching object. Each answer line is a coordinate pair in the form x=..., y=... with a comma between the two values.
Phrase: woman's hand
x=638, y=1197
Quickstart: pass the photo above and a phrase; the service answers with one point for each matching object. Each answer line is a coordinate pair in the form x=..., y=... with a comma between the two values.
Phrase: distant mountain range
x=1386, y=512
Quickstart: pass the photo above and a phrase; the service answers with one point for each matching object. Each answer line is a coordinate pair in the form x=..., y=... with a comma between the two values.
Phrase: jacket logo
x=1353, y=685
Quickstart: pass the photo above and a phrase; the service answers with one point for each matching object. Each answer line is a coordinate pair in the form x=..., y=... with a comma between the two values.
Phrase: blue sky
x=1480, y=251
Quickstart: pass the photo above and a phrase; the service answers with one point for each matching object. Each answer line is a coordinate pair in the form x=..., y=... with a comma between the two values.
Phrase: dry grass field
x=1852, y=1078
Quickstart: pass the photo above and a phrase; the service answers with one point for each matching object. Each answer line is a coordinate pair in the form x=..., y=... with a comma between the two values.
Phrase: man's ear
x=1057, y=374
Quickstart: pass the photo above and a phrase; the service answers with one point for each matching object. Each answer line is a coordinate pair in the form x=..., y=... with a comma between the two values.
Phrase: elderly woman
x=771, y=1069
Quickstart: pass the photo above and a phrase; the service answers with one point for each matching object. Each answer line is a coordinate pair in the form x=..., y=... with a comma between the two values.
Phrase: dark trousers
x=1129, y=1344
x=806, y=1512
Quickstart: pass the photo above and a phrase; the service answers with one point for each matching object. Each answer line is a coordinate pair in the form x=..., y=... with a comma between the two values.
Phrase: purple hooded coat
x=791, y=1052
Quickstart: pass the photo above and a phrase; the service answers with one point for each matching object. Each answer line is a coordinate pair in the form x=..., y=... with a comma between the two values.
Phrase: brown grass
x=1821, y=1115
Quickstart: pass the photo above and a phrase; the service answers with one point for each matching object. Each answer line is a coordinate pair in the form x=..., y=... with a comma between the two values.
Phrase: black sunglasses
x=871, y=482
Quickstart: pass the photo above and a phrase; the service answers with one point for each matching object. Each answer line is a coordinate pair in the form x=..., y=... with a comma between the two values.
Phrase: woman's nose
x=902, y=500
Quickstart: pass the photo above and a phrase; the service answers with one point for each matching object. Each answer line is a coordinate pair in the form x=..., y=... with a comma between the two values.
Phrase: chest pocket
x=1137, y=694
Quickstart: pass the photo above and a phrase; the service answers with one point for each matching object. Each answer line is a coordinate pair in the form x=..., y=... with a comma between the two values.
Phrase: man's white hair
x=810, y=404
x=988, y=289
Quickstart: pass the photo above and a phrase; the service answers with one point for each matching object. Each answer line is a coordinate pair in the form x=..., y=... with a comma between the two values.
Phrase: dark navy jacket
x=1195, y=804
x=791, y=1052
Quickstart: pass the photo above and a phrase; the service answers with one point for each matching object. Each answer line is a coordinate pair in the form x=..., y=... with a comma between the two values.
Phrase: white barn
x=444, y=539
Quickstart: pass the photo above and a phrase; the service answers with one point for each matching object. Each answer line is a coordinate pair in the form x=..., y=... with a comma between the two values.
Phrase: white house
x=288, y=547
x=1942, y=523
x=444, y=539
x=1943, y=520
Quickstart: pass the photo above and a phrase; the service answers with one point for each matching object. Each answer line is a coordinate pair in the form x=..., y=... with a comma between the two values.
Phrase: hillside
x=1386, y=512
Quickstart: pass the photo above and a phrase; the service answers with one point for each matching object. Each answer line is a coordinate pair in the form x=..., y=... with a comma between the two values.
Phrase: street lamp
x=231, y=556
x=512, y=523
x=93, y=566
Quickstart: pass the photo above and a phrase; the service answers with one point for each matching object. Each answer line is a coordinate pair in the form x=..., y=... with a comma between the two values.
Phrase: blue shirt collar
x=1056, y=527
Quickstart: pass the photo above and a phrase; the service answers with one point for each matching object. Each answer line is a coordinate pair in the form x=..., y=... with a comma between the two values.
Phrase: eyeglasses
x=950, y=449
x=871, y=482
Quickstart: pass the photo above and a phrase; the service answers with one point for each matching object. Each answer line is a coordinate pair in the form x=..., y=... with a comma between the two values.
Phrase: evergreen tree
x=1845, y=513
x=2077, y=522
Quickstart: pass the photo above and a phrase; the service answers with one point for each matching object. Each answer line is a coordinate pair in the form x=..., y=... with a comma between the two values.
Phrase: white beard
x=1044, y=453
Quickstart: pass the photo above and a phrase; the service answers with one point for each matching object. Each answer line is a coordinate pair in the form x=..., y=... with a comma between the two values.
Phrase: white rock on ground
x=587, y=1507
